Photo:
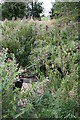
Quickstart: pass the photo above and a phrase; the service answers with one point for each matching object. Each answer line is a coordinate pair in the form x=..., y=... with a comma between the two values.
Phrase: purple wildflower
x=13, y=59
x=7, y=49
x=14, y=78
x=9, y=69
x=44, y=81
x=47, y=79
x=40, y=92
x=20, y=76
x=9, y=74
x=9, y=60
x=44, y=85
x=3, y=49
x=18, y=80
x=27, y=89
x=22, y=71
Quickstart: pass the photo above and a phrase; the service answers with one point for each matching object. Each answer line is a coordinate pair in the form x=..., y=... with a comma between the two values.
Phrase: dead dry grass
x=46, y=22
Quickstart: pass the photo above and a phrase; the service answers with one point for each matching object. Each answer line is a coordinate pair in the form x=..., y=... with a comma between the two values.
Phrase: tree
x=64, y=9
x=13, y=9
x=37, y=9
x=34, y=9
x=0, y=11
x=21, y=9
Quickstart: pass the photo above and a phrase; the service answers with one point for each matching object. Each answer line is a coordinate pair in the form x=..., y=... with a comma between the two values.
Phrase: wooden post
x=46, y=28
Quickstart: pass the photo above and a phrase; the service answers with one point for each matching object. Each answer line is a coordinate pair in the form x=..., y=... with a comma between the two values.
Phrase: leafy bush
x=30, y=94
x=8, y=75
x=48, y=50
x=18, y=36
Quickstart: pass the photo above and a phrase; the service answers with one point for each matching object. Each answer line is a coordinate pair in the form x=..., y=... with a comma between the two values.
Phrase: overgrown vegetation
x=53, y=57
x=18, y=38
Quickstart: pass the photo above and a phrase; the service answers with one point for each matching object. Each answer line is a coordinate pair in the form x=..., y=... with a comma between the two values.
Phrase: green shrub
x=8, y=76
x=18, y=37
x=48, y=49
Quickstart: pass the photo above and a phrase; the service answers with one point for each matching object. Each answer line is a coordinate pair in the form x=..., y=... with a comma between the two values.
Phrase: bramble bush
x=47, y=51
x=8, y=75
x=30, y=94
x=54, y=95
x=18, y=36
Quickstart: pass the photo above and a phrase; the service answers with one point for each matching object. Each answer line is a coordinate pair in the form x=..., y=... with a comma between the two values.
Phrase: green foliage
x=31, y=95
x=56, y=94
x=8, y=76
x=37, y=9
x=0, y=11
x=21, y=9
x=65, y=9
x=13, y=9
x=34, y=9
x=63, y=90
x=18, y=38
